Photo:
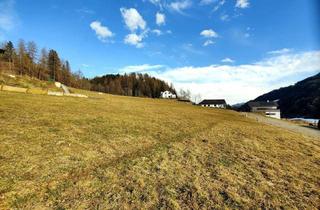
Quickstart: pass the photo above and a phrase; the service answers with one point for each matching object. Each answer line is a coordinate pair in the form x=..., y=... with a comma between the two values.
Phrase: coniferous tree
x=9, y=54
x=54, y=65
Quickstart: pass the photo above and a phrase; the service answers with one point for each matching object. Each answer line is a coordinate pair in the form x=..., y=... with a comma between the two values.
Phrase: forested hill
x=299, y=100
x=130, y=85
x=27, y=59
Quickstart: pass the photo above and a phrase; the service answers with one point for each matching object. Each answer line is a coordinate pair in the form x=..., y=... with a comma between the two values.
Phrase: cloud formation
x=133, y=19
x=179, y=6
x=227, y=60
x=160, y=19
x=208, y=42
x=140, y=68
x=102, y=32
x=281, y=51
x=242, y=4
x=240, y=83
x=209, y=33
x=157, y=32
x=134, y=39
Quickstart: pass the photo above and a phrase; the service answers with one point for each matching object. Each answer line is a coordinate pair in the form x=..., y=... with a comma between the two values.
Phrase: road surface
x=286, y=125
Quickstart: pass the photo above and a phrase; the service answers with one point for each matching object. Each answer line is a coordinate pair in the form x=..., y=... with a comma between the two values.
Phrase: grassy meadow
x=115, y=152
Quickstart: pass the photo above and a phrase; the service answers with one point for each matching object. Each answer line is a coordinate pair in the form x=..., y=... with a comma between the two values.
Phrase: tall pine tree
x=54, y=65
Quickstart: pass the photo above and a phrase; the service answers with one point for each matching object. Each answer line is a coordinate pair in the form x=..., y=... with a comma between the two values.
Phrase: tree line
x=132, y=84
x=26, y=59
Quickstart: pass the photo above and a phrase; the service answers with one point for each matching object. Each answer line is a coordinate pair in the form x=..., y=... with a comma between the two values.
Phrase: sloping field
x=113, y=152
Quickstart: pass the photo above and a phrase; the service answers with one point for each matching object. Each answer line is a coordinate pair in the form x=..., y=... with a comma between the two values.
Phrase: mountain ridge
x=299, y=100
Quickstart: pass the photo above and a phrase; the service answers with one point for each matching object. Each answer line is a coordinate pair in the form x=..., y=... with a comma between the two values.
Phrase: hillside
x=133, y=84
x=49, y=66
x=117, y=152
x=299, y=100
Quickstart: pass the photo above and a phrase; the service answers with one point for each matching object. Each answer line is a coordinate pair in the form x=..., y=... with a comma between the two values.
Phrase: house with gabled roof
x=214, y=103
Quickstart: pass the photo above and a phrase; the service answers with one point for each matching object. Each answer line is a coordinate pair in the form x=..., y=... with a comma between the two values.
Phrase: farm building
x=214, y=103
x=167, y=94
x=269, y=108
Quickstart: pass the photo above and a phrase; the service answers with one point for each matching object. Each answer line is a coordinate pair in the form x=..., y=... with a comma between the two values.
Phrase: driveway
x=286, y=125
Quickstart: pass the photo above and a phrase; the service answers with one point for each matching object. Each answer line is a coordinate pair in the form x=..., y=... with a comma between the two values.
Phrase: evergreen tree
x=54, y=65
x=9, y=54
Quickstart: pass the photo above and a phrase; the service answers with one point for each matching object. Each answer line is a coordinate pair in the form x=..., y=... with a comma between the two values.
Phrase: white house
x=214, y=103
x=268, y=108
x=167, y=94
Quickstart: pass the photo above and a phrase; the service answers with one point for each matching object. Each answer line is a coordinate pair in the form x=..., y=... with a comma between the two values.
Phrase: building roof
x=263, y=103
x=272, y=110
x=184, y=100
x=213, y=101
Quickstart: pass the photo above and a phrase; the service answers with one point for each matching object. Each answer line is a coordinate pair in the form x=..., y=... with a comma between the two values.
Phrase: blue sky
x=212, y=47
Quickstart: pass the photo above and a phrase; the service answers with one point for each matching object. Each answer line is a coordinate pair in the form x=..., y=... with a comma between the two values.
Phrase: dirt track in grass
x=313, y=132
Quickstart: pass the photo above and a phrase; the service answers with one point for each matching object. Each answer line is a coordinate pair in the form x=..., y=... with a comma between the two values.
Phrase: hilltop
x=299, y=100
x=111, y=152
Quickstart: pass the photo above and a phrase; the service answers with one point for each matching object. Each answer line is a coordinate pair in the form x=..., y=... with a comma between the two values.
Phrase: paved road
x=286, y=125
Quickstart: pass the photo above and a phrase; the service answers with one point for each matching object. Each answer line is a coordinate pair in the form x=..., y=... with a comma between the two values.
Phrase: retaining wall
x=39, y=91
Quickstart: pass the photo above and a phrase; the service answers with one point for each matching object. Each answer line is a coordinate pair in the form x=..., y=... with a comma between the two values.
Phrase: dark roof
x=262, y=103
x=184, y=100
x=213, y=101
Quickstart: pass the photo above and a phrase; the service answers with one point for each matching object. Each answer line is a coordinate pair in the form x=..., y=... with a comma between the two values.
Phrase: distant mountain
x=299, y=100
x=238, y=105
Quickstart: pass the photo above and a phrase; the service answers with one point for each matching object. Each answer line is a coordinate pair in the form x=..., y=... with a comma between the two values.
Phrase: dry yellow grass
x=114, y=152
x=27, y=82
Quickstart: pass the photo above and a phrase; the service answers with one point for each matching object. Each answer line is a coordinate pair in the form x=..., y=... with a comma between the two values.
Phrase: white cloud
x=281, y=51
x=207, y=43
x=209, y=33
x=160, y=19
x=133, y=19
x=227, y=60
x=242, y=4
x=8, y=16
x=179, y=6
x=141, y=68
x=157, y=32
x=134, y=39
x=240, y=83
x=102, y=32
